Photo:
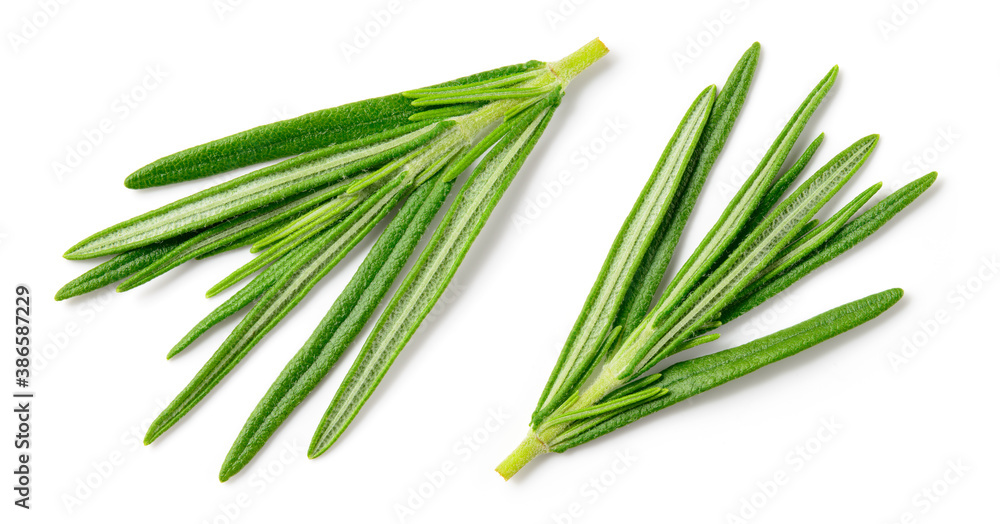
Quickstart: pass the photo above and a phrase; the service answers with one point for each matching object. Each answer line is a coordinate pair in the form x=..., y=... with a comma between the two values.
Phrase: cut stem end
x=581, y=59
x=528, y=449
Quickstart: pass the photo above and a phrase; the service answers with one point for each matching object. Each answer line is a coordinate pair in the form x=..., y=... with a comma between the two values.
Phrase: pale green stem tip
x=581, y=59
x=529, y=448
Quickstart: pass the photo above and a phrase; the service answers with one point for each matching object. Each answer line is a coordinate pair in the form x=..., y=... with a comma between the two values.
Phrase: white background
x=490, y=345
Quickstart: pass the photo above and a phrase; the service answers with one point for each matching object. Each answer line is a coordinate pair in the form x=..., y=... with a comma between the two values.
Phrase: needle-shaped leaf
x=785, y=181
x=483, y=85
x=632, y=387
x=262, y=187
x=120, y=267
x=235, y=232
x=481, y=96
x=610, y=406
x=691, y=377
x=319, y=129
x=818, y=234
x=439, y=113
x=432, y=272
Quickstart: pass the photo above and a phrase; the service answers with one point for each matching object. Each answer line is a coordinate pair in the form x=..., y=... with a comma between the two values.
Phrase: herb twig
x=605, y=376
x=302, y=215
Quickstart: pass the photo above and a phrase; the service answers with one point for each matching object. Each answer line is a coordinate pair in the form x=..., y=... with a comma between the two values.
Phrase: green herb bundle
x=354, y=164
x=605, y=376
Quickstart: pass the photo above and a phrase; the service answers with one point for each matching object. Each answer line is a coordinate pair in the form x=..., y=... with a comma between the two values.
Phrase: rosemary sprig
x=302, y=215
x=633, y=242
x=763, y=242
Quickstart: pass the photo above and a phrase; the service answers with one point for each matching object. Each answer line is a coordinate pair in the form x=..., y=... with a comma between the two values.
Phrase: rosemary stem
x=581, y=59
x=529, y=448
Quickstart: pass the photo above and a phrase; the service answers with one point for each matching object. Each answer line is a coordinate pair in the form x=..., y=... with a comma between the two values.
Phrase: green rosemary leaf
x=481, y=96
x=632, y=387
x=850, y=235
x=691, y=377
x=697, y=340
x=319, y=129
x=524, y=104
x=323, y=215
x=300, y=222
x=341, y=325
x=118, y=268
x=262, y=187
x=617, y=404
x=272, y=141
x=502, y=81
x=236, y=245
x=432, y=272
x=817, y=234
x=229, y=233
x=627, y=253
x=807, y=229
x=786, y=180
x=442, y=112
